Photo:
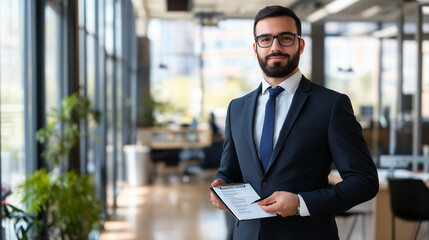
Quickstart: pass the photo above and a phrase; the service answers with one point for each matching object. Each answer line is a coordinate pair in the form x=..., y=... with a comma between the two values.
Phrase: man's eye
x=286, y=38
x=265, y=39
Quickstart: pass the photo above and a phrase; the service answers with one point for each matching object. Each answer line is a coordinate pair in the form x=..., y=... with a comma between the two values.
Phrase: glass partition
x=12, y=94
x=197, y=70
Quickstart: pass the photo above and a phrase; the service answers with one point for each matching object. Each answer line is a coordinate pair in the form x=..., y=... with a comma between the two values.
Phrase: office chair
x=409, y=200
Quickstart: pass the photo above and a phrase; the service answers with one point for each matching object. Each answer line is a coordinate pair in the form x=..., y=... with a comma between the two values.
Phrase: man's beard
x=277, y=70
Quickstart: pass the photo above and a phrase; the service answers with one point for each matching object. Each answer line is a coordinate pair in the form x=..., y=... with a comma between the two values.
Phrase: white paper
x=238, y=199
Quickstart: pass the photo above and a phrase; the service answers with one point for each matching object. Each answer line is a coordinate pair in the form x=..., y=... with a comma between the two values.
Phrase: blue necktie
x=266, y=145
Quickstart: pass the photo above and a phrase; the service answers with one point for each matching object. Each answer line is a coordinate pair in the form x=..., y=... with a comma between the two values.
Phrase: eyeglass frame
x=277, y=36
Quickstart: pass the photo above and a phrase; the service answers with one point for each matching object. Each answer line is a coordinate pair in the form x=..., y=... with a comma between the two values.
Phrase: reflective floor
x=173, y=209
x=167, y=209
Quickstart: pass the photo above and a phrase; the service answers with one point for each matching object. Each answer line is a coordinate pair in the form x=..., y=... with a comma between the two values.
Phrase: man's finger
x=218, y=182
x=216, y=202
x=271, y=207
x=267, y=201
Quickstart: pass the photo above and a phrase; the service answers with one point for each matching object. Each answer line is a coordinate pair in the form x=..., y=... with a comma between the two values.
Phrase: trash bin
x=138, y=164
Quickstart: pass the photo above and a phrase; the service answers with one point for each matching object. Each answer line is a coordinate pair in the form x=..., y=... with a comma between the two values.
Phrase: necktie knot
x=274, y=92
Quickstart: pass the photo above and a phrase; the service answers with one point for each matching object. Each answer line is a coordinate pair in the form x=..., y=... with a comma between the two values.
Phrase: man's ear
x=254, y=49
x=301, y=45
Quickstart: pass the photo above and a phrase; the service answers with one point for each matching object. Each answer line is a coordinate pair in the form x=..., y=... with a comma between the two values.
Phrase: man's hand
x=283, y=203
x=213, y=199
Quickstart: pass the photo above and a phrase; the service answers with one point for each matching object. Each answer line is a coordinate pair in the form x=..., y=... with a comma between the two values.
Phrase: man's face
x=278, y=61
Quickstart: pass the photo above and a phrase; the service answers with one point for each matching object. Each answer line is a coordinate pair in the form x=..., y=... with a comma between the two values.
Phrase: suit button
x=264, y=184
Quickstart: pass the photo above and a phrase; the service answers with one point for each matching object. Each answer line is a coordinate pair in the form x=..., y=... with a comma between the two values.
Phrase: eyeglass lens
x=284, y=40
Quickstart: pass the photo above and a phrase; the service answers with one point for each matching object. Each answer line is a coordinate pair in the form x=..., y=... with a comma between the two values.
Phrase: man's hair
x=276, y=11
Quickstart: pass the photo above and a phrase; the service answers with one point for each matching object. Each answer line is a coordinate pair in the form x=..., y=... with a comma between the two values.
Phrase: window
x=225, y=53
x=12, y=93
x=12, y=101
x=90, y=82
x=35, y=68
x=53, y=56
x=350, y=62
x=389, y=80
x=175, y=76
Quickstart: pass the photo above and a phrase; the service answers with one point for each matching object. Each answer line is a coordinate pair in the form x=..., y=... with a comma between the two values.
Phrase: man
x=289, y=161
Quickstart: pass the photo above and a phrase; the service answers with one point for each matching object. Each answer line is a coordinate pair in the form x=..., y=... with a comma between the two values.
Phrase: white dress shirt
x=283, y=102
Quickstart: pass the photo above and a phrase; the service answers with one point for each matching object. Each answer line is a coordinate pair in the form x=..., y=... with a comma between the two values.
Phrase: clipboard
x=239, y=199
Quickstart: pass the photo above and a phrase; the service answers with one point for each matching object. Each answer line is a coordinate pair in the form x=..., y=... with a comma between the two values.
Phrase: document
x=239, y=199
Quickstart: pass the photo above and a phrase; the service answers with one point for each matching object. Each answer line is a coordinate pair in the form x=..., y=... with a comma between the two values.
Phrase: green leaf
x=62, y=133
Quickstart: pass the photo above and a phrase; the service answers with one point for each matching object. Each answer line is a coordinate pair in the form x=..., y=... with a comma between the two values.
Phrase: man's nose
x=275, y=47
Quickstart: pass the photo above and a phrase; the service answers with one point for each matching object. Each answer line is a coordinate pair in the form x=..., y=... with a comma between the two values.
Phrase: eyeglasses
x=285, y=39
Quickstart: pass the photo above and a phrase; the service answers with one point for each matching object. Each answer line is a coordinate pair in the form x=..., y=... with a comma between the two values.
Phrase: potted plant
x=59, y=204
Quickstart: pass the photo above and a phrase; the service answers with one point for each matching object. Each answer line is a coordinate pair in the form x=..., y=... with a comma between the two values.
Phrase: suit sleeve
x=353, y=161
x=229, y=169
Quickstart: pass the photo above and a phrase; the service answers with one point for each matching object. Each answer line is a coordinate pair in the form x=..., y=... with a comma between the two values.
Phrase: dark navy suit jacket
x=320, y=129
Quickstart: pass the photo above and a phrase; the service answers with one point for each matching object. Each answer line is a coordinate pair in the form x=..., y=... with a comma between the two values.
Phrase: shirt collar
x=289, y=84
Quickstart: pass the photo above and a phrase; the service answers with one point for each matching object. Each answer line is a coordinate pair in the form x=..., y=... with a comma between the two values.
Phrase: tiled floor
x=172, y=210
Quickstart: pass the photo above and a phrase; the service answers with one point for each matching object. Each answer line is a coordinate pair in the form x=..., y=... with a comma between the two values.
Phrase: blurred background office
x=161, y=74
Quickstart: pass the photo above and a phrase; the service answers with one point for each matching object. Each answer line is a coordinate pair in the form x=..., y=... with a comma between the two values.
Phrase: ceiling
x=361, y=10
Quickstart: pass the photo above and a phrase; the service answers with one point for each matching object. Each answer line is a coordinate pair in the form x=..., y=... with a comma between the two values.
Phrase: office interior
x=160, y=74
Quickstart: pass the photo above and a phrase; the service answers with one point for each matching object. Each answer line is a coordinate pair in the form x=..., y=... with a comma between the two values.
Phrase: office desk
x=189, y=140
x=159, y=138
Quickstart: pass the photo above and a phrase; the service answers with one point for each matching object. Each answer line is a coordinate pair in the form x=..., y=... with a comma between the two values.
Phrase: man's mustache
x=277, y=55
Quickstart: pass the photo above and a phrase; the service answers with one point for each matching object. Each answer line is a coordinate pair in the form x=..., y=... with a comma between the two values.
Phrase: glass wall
x=105, y=74
x=53, y=53
x=12, y=83
x=425, y=97
x=351, y=57
x=353, y=62
x=229, y=68
x=410, y=74
x=111, y=151
x=36, y=61
x=389, y=79
x=175, y=76
x=406, y=118
x=119, y=91
x=89, y=79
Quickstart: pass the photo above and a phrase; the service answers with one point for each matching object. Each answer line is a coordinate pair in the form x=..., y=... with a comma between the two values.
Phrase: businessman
x=283, y=138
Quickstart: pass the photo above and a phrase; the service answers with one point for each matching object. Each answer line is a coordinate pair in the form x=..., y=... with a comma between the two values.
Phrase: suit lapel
x=300, y=97
x=249, y=113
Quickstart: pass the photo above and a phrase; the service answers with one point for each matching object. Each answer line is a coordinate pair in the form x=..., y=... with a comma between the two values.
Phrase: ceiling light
x=333, y=7
x=372, y=11
x=386, y=32
x=338, y=5
x=317, y=15
x=425, y=10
